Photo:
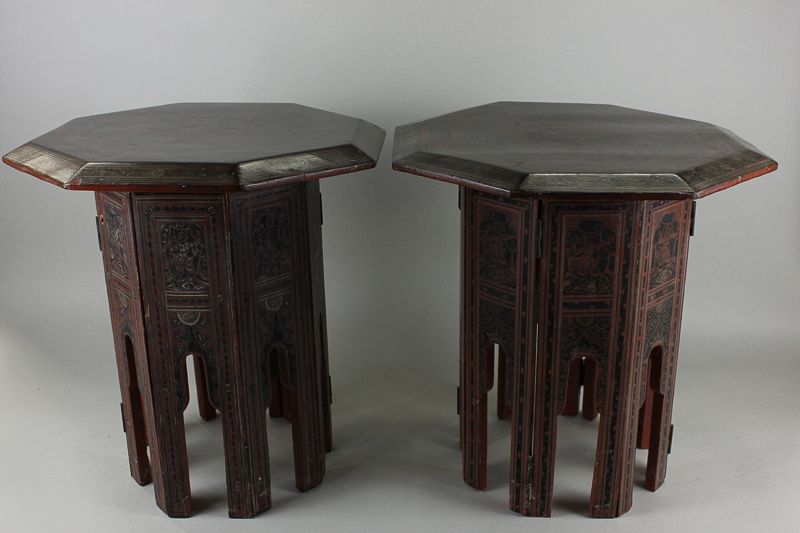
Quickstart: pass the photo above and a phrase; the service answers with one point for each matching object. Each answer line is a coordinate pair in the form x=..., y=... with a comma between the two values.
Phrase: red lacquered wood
x=207, y=410
x=194, y=267
x=229, y=315
x=115, y=229
x=591, y=375
x=645, y=419
x=597, y=284
x=585, y=257
x=497, y=309
x=573, y=388
x=505, y=392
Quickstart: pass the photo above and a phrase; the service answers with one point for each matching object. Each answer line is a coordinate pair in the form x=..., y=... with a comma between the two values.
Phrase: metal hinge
x=99, y=241
x=320, y=209
x=330, y=391
x=459, y=198
x=458, y=401
x=671, y=430
x=122, y=412
x=694, y=212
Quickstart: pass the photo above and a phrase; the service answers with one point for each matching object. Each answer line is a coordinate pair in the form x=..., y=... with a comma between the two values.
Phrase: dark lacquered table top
x=200, y=147
x=542, y=149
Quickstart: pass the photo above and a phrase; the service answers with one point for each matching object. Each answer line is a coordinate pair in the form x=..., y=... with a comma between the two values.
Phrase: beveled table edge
x=74, y=174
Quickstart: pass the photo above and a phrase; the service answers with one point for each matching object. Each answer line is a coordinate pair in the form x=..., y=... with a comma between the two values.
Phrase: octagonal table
x=209, y=219
x=575, y=231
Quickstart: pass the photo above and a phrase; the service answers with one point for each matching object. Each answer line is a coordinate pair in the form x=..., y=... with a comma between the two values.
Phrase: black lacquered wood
x=546, y=149
x=202, y=147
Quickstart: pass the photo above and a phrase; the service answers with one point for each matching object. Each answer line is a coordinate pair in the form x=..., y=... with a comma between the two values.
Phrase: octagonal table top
x=545, y=149
x=200, y=147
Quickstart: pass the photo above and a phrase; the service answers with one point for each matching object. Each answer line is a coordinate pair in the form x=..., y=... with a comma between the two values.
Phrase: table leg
x=498, y=240
x=278, y=271
x=586, y=291
x=207, y=410
x=611, y=286
x=591, y=376
x=119, y=258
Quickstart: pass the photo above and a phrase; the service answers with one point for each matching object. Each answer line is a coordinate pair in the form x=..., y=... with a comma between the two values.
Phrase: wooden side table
x=209, y=218
x=575, y=232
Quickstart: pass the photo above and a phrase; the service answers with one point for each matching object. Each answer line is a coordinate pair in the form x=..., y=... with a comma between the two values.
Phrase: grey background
x=392, y=251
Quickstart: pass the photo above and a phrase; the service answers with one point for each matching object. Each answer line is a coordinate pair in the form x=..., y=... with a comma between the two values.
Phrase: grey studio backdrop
x=391, y=244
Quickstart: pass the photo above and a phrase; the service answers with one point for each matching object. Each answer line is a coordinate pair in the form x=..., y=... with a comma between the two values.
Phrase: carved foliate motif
x=497, y=324
x=184, y=256
x=276, y=327
x=590, y=255
x=659, y=325
x=271, y=235
x=191, y=332
x=585, y=336
x=498, y=248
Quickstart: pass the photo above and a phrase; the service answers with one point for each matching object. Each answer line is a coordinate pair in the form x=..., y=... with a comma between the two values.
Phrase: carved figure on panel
x=665, y=250
x=184, y=256
x=271, y=236
x=590, y=247
x=498, y=248
x=116, y=240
